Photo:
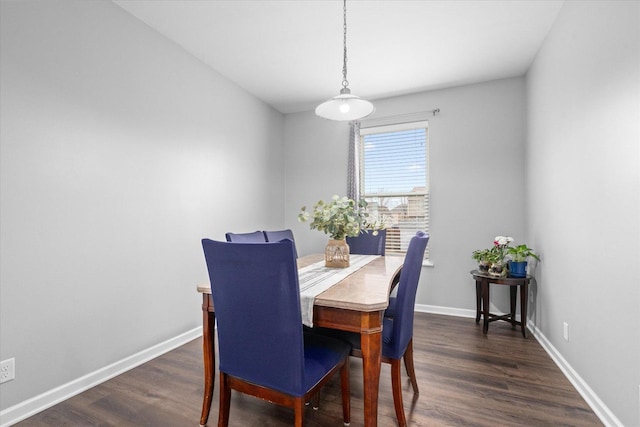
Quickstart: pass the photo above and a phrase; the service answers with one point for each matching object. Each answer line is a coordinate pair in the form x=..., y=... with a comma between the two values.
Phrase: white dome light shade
x=345, y=107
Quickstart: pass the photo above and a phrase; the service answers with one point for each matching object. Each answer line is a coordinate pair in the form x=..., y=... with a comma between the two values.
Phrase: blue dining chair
x=262, y=349
x=367, y=243
x=255, y=237
x=276, y=236
x=397, y=331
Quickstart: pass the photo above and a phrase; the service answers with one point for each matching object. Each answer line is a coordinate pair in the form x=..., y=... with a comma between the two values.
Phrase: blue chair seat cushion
x=321, y=354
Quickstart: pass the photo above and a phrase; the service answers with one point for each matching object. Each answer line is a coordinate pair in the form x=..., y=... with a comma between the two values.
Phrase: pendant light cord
x=345, y=82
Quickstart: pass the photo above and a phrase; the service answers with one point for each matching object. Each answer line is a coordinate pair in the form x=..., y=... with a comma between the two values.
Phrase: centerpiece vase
x=336, y=254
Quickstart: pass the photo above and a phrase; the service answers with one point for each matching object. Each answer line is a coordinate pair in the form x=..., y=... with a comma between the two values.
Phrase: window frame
x=398, y=246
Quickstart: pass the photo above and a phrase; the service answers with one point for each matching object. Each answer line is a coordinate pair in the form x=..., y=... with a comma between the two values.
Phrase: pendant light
x=345, y=106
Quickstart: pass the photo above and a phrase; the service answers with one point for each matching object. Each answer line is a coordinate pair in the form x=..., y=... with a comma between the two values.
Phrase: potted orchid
x=499, y=252
x=339, y=218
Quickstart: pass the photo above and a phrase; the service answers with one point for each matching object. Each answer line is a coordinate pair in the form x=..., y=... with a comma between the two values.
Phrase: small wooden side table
x=482, y=299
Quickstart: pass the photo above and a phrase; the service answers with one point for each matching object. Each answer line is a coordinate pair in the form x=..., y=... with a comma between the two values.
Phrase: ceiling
x=288, y=53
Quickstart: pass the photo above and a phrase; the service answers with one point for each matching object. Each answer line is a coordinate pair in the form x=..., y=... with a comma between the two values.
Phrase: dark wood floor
x=465, y=379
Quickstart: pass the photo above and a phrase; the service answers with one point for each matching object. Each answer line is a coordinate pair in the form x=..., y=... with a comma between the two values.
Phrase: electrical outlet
x=565, y=331
x=7, y=370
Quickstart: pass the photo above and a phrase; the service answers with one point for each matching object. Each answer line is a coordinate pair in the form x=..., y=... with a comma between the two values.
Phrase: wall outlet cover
x=7, y=370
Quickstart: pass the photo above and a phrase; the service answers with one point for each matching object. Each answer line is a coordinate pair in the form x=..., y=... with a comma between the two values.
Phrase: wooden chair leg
x=298, y=409
x=346, y=393
x=396, y=385
x=225, y=401
x=408, y=363
x=315, y=401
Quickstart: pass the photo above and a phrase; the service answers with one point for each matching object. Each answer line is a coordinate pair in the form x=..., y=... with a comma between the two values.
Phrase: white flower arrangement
x=502, y=240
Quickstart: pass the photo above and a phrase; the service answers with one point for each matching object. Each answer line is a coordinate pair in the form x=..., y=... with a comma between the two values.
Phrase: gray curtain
x=353, y=168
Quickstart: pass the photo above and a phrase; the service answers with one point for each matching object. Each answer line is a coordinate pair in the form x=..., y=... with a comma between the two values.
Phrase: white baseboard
x=23, y=410
x=606, y=416
x=448, y=311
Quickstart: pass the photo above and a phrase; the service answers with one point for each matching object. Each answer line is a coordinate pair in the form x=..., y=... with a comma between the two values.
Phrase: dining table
x=356, y=303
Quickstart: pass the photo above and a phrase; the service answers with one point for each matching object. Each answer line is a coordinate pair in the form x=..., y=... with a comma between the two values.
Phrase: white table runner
x=316, y=278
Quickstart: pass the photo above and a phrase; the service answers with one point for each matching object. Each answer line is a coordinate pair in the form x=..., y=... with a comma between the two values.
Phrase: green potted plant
x=491, y=261
x=518, y=263
x=482, y=257
x=339, y=218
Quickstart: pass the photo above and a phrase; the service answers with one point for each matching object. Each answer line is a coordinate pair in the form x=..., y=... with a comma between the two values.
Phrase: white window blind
x=394, y=179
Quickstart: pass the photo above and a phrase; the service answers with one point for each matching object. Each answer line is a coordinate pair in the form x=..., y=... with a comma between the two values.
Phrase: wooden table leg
x=208, y=350
x=524, y=293
x=371, y=343
x=485, y=305
x=513, y=293
x=478, y=300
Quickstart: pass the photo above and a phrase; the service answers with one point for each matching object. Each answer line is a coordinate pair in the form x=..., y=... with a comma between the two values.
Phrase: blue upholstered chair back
x=257, y=301
x=402, y=323
x=367, y=243
x=255, y=237
x=276, y=236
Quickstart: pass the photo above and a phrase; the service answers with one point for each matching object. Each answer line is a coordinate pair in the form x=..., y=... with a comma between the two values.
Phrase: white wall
x=477, y=177
x=119, y=152
x=583, y=95
x=315, y=153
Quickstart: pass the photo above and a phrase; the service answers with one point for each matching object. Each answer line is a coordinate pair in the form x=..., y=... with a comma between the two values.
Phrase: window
x=394, y=171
